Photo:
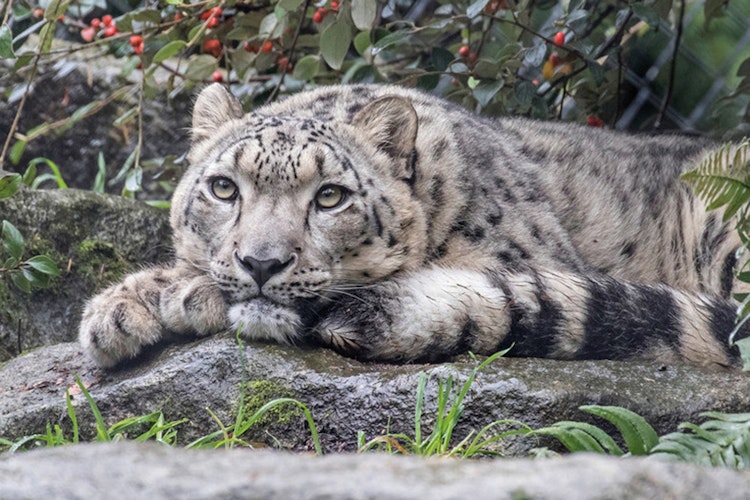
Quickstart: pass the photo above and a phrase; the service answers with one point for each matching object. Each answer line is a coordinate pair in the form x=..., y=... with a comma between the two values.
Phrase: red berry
x=140, y=65
x=138, y=49
x=318, y=17
x=136, y=40
x=178, y=17
x=334, y=5
x=214, y=12
x=217, y=77
x=267, y=47
x=110, y=31
x=96, y=23
x=107, y=20
x=61, y=18
x=213, y=22
x=594, y=121
x=212, y=46
x=472, y=57
x=559, y=38
x=88, y=34
x=463, y=51
x=555, y=60
x=38, y=12
x=249, y=47
x=283, y=62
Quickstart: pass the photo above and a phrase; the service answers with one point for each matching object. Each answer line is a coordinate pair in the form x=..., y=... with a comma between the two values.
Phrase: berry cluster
x=322, y=12
x=106, y=26
x=212, y=17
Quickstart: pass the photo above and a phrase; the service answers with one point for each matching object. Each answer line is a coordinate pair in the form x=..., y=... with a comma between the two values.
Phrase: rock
x=345, y=396
x=148, y=470
x=93, y=238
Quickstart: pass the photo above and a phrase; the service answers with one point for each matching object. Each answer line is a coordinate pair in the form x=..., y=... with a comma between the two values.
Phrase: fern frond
x=723, y=178
x=722, y=441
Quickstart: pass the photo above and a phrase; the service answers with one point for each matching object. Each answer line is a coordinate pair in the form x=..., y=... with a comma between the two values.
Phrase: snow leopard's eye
x=330, y=196
x=223, y=189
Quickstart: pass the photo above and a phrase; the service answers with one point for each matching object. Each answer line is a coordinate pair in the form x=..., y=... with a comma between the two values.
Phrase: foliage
x=723, y=440
x=638, y=435
x=526, y=57
x=722, y=179
x=450, y=407
x=26, y=274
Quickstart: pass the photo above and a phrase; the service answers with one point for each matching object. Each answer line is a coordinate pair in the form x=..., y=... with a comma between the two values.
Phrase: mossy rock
x=93, y=238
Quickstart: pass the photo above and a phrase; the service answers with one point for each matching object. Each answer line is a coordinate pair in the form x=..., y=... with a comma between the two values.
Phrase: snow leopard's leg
x=436, y=313
x=122, y=319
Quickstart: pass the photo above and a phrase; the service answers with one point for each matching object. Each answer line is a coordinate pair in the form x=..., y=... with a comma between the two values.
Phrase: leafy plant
x=722, y=179
x=26, y=274
x=723, y=440
x=450, y=407
x=638, y=435
x=544, y=59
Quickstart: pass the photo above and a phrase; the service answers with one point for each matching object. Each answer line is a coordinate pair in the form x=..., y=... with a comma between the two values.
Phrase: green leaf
x=744, y=346
x=486, y=90
x=334, y=43
x=363, y=13
x=30, y=174
x=390, y=39
x=6, y=42
x=101, y=174
x=306, y=68
x=20, y=281
x=638, y=434
x=201, y=67
x=55, y=9
x=475, y=8
x=9, y=184
x=362, y=42
x=16, y=151
x=12, y=240
x=44, y=264
x=169, y=50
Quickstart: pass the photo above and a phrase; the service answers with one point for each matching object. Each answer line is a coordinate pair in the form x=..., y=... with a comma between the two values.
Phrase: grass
x=450, y=407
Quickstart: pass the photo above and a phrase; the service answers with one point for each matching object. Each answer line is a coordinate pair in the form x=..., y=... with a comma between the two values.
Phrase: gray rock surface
x=129, y=470
x=345, y=396
x=93, y=238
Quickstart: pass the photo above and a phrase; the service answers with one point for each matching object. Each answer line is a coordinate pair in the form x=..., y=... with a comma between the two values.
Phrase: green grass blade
x=101, y=427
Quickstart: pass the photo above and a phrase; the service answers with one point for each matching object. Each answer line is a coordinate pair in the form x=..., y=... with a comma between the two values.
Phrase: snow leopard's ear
x=391, y=123
x=214, y=107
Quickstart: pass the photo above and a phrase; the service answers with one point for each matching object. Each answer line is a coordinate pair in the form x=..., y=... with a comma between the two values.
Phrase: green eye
x=330, y=197
x=224, y=189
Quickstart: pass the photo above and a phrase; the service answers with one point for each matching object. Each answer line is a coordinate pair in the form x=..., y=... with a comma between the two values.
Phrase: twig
x=672, y=67
x=297, y=31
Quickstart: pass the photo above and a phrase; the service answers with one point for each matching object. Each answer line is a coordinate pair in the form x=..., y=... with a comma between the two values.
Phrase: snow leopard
x=391, y=225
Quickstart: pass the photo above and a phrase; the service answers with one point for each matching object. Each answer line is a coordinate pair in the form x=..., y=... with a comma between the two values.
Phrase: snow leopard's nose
x=262, y=270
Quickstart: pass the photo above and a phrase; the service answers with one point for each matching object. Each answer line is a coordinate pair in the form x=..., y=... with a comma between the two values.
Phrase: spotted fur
x=391, y=225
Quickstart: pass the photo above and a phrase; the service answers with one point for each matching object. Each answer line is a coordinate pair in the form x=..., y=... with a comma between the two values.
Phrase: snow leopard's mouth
x=261, y=318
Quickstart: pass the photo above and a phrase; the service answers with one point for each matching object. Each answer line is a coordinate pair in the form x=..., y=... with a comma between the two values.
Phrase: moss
x=261, y=392
x=99, y=262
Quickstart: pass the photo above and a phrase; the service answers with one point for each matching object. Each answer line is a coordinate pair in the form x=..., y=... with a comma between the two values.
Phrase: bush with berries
x=544, y=59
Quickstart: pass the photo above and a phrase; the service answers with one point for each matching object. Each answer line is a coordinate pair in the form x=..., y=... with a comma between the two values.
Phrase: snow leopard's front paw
x=193, y=305
x=120, y=320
